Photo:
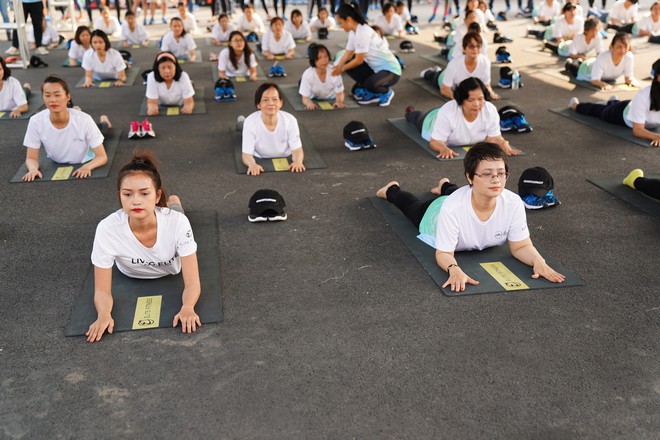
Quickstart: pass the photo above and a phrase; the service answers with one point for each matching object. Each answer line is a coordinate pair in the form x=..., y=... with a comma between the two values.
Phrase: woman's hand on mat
x=16, y=113
x=254, y=169
x=494, y=96
x=311, y=106
x=152, y=109
x=119, y=82
x=189, y=319
x=98, y=327
x=253, y=76
x=296, y=167
x=31, y=175
x=656, y=142
x=339, y=105
x=542, y=269
x=508, y=150
x=458, y=280
x=82, y=172
x=187, y=109
x=446, y=153
x=89, y=83
x=270, y=56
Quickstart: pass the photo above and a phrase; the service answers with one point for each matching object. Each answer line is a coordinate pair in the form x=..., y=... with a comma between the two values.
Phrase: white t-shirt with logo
x=219, y=35
x=111, y=28
x=565, y=30
x=181, y=48
x=11, y=95
x=619, y=12
x=452, y=128
x=70, y=144
x=639, y=111
x=312, y=87
x=115, y=243
x=178, y=91
x=109, y=69
x=459, y=228
x=277, y=47
x=376, y=51
x=603, y=69
x=579, y=45
x=298, y=33
x=260, y=142
x=224, y=64
x=77, y=52
x=456, y=71
x=138, y=36
x=392, y=27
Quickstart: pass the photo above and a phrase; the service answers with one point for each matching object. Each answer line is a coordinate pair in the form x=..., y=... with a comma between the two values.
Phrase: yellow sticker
x=325, y=105
x=281, y=164
x=504, y=276
x=390, y=37
x=105, y=84
x=2, y=114
x=241, y=79
x=135, y=46
x=172, y=111
x=62, y=173
x=626, y=87
x=279, y=57
x=467, y=148
x=147, y=312
x=180, y=61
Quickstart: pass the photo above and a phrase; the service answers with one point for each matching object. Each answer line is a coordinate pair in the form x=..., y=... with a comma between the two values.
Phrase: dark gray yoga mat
x=237, y=79
x=220, y=46
x=126, y=291
x=437, y=59
x=35, y=104
x=174, y=110
x=299, y=53
x=614, y=186
x=619, y=87
x=513, y=275
x=131, y=76
x=426, y=85
x=198, y=58
x=53, y=171
x=600, y=125
x=312, y=160
x=292, y=96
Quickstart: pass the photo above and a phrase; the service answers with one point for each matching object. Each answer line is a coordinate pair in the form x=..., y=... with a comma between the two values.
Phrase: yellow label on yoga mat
x=2, y=114
x=105, y=84
x=325, y=105
x=135, y=46
x=626, y=87
x=241, y=79
x=180, y=61
x=62, y=173
x=467, y=148
x=147, y=312
x=504, y=276
x=172, y=111
x=279, y=57
x=281, y=164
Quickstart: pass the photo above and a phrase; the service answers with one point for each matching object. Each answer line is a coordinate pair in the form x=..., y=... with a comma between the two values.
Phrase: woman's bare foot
x=438, y=189
x=174, y=200
x=382, y=193
x=104, y=118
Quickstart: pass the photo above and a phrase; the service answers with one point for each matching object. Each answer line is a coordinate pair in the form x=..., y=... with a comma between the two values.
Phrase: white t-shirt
x=647, y=24
x=277, y=47
x=70, y=144
x=77, y=52
x=260, y=142
x=178, y=91
x=312, y=87
x=189, y=23
x=138, y=36
x=619, y=12
x=114, y=242
x=316, y=23
x=549, y=11
x=392, y=27
x=459, y=228
x=181, y=48
x=579, y=45
x=376, y=51
x=11, y=95
x=452, y=128
x=298, y=33
x=457, y=72
x=603, y=69
x=47, y=37
x=114, y=63
x=219, y=35
x=256, y=25
x=405, y=15
x=639, y=111
x=565, y=30
x=224, y=63
x=111, y=28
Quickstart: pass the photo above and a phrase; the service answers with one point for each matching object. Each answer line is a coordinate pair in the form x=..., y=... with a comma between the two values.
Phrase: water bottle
x=515, y=80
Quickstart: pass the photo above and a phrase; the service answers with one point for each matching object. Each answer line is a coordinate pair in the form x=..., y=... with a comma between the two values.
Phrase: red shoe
x=135, y=130
x=147, y=129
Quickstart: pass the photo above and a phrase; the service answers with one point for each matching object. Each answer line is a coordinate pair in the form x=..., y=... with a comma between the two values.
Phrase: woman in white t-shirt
x=322, y=20
x=81, y=43
x=588, y=42
x=132, y=32
x=481, y=215
x=179, y=42
x=278, y=41
x=104, y=62
x=148, y=238
x=106, y=23
x=49, y=36
x=68, y=135
x=13, y=97
x=250, y=21
x=317, y=83
x=168, y=85
x=467, y=119
x=649, y=25
x=567, y=26
x=221, y=30
x=390, y=22
x=547, y=11
x=270, y=132
x=611, y=65
x=297, y=26
x=237, y=59
x=623, y=15
x=642, y=114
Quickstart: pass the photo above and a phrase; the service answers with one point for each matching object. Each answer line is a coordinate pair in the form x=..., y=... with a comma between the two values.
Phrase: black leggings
x=318, y=3
x=376, y=82
x=416, y=118
x=36, y=12
x=611, y=112
x=283, y=7
x=411, y=206
x=591, y=3
x=648, y=186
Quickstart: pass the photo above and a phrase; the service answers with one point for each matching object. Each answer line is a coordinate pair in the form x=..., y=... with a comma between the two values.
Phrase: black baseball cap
x=323, y=33
x=568, y=6
x=266, y=205
x=357, y=137
x=535, y=181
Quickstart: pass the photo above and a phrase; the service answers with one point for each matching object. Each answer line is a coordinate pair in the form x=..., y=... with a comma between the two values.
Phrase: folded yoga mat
x=53, y=171
x=35, y=104
x=237, y=79
x=131, y=76
x=142, y=304
x=619, y=87
x=600, y=125
x=426, y=85
x=292, y=96
x=312, y=160
x=175, y=110
x=614, y=186
x=495, y=268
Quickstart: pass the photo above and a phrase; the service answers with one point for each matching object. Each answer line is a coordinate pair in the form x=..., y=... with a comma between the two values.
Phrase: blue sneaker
x=358, y=93
x=521, y=124
x=151, y=21
x=386, y=98
x=230, y=94
x=506, y=124
x=505, y=83
x=219, y=93
x=550, y=200
x=369, y=98
x=532, y=201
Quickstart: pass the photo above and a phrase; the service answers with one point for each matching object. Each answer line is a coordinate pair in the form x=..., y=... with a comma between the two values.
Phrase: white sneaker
x=41, y=51
x=12, y=51
x=573, y=101
x=239, y=123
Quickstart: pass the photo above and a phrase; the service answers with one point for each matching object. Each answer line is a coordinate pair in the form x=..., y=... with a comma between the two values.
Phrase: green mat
x=618, y=87
x=131, y=76
x=35, y=104
x=600, y=125
x=237, y=79
x=312, y=160
x=615, y=187
x=131, y=313
x=53, y=171
x=483, y=266
x=174, y=110
x=290, y=92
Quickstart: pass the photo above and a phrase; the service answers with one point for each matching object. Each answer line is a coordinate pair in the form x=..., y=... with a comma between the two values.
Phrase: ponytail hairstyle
x=54, y=79
x=655, y=86
x=622, y=37
x=144, y=162
x=351, y=10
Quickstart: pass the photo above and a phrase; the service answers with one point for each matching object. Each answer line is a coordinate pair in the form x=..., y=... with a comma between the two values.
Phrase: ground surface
x=332, y=329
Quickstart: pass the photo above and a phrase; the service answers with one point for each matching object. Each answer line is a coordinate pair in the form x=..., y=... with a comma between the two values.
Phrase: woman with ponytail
x=149, y=237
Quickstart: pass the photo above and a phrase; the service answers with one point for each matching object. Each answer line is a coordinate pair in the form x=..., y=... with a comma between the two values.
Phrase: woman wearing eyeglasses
x=475, y=217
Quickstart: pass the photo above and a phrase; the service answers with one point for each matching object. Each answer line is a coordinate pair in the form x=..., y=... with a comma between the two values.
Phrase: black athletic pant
x=118, y=8
x=36, y=12
x=376, y=82
x=611, y=112
x=283, y=7
x=627, y=28
x=319, y=5
x=411, y=206
x=416, y=118
x=591, y=3
x=650, y=187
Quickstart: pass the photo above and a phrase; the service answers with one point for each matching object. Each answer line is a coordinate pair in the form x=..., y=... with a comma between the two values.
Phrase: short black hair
x=387, y=7
x=466, y=86
x=296, y=12
x=99, y=33
x=262, y=88
x=6, y=72
x=129, y=13
x=164, y=57
x=79, y=31
x=591, y=22
x=655, y=86
x=623, y=37
x=483, y=151
x=275, y=20
x=314, y=50
x=472, y=36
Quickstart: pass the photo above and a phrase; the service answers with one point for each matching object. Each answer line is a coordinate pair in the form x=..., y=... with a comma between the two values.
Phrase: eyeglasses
x=473, y=46
x=489, y=176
